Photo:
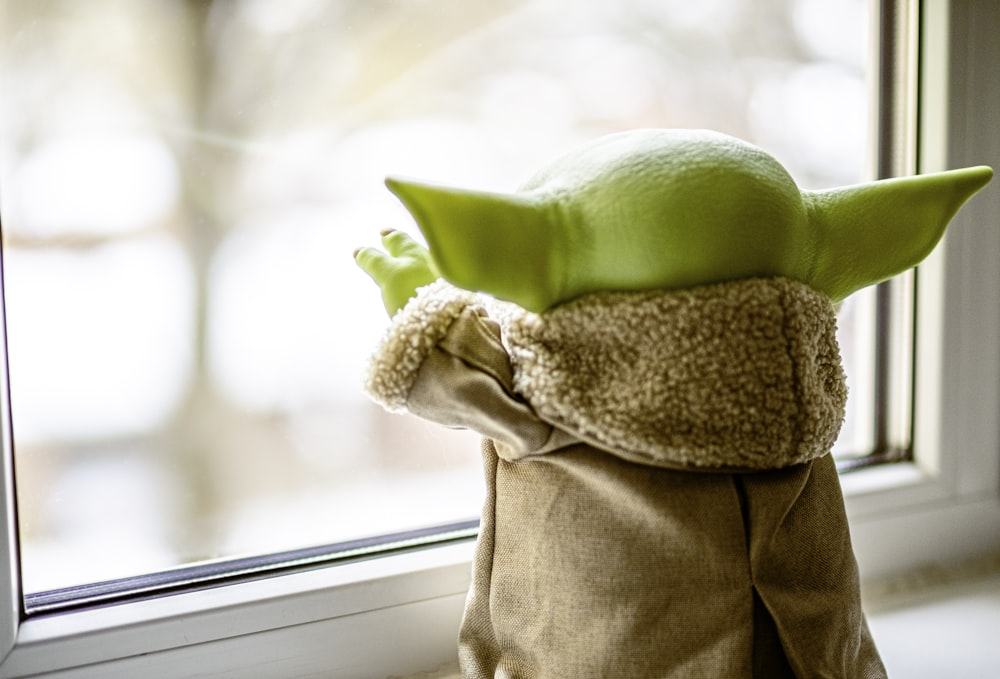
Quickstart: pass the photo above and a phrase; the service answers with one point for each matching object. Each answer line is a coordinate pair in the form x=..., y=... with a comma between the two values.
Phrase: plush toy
x=655, y=373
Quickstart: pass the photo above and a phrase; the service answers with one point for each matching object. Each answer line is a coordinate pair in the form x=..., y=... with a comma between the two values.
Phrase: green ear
x=489, y=242
x=672, y=209
x=867, y=233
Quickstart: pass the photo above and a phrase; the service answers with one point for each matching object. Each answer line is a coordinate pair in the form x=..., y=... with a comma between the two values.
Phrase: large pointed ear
x=496, y=243
x=867, y=233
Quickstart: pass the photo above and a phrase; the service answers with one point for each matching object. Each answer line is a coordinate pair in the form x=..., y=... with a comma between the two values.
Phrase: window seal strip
x=229, y=571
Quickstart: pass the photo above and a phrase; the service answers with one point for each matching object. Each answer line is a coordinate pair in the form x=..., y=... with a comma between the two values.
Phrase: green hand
x=400, y=270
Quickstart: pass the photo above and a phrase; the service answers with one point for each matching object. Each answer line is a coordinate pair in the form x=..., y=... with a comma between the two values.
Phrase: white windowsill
x=939, y=623
x=964, y=614
x=373, y=611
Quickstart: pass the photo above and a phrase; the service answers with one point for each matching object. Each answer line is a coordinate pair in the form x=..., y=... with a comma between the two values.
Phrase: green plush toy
x=656, y=375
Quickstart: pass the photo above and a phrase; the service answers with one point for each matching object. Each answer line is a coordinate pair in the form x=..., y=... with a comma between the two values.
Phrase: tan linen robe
x=661, y=501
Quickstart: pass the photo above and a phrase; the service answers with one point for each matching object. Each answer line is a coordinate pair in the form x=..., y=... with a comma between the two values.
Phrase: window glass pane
x=183, y=183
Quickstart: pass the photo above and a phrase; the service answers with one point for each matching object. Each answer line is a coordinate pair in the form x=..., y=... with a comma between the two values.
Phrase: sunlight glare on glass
x=290, y=315
x=101, y=343
x=709, y=16
x=830, y=29
x=787, y=110
x=272, y=17
x=94, y=185
x=122, y=508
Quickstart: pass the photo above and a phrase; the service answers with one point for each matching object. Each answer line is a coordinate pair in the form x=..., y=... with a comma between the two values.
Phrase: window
x=224, y=195
x=187, y=332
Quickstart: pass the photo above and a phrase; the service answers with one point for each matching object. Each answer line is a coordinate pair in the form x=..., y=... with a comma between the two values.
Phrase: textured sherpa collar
x=415, y=330
x=738, y=375
x=735, y=376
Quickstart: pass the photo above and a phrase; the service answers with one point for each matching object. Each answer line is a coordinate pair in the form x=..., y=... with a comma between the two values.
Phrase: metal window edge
x=10, y=580
x=213, y=617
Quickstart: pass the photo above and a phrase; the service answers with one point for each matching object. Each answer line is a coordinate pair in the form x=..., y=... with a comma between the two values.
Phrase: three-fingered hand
x=400, y=270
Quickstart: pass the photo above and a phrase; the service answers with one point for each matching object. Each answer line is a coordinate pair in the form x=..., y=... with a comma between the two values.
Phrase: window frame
x=399, y=614
x=904, y=515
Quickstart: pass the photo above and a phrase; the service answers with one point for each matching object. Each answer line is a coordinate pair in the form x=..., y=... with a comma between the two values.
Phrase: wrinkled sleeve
x=443, y=360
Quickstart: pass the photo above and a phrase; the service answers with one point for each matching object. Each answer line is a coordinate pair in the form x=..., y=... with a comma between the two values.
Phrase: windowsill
x=419, y=596
x=367, y=599
x=938, y=622
x=961, y=604
x=879, y=479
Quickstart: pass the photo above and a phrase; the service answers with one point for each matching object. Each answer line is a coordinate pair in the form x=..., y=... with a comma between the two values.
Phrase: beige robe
x=661, y=501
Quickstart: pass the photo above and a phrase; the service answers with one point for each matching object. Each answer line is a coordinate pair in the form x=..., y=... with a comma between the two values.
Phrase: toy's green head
x=671, y=209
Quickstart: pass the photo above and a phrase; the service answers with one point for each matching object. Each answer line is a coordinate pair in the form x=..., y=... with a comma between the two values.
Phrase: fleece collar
x=737, y=375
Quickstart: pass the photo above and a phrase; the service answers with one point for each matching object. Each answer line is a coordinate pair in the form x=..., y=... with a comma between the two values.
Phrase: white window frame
x=945, y=505
x=399, y=614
